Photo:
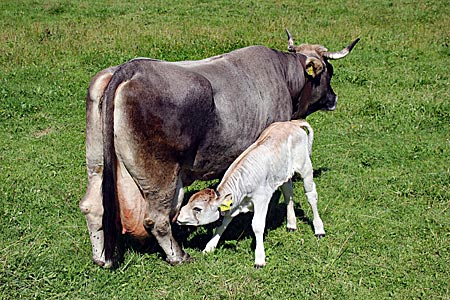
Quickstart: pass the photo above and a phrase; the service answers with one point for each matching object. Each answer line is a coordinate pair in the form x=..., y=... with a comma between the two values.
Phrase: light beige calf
x=283, y=149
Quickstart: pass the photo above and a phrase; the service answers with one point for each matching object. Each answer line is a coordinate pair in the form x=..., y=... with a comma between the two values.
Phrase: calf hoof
x=257, y=266
x=320, y=236
x=291, y=229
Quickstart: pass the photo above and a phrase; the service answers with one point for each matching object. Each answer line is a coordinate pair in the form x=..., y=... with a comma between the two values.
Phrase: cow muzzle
x=331, y=105
x=334, y=104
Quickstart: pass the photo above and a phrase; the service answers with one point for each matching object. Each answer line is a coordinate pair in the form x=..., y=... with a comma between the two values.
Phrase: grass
x=382, y=158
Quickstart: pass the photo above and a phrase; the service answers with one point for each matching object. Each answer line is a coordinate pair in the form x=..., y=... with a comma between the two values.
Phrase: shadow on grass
x=191, y=237
x=240, y=228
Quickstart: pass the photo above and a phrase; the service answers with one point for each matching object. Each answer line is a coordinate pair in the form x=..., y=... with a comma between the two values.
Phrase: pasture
x=381, y=160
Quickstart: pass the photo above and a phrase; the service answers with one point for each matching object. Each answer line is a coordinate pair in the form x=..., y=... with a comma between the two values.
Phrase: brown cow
x=153, y=127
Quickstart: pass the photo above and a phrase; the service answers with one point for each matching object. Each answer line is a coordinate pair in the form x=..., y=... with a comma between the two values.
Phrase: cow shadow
x=240, y=228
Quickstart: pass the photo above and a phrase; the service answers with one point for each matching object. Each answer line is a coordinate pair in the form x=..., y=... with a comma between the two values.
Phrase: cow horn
x=342, y=53
x=291, y=47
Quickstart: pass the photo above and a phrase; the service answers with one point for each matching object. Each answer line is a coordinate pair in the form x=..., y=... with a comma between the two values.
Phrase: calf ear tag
x=226, y=205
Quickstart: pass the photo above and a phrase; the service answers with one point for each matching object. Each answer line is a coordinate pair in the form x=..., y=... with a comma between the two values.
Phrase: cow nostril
x=332, y=103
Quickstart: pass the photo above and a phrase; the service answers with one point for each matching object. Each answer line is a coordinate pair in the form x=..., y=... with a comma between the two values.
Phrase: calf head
x=201, y=209
x=317, y=93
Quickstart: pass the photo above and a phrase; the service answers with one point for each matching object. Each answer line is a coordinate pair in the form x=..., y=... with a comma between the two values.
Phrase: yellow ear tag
x=226, y=205
x=310, y=71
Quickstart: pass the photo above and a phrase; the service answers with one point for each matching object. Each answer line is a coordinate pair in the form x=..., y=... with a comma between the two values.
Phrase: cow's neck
x=300, y=108
x=299, y=84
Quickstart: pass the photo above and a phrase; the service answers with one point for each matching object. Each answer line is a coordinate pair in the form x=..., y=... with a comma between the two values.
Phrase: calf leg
x=217, y=234
x=288, y=195
x=261, y=204
x=311, y=194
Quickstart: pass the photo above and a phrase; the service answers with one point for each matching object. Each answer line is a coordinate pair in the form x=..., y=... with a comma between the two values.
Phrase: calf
x=283, y=149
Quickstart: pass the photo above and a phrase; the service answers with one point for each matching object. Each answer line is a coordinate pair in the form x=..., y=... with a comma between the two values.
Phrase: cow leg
x=162, y=190
x=151, y=159
x=178, y=199
x=212, y=244
x=157, y=221
x=288, y=195
x=261, y=204
x=311, y=194
x=91, y=204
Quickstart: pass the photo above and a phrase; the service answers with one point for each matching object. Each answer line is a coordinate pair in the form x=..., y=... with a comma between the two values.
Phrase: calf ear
x=211, y=193
x=313, y=66
x=226, y=204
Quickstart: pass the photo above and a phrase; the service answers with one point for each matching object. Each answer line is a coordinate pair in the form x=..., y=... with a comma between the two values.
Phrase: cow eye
x=197, y=209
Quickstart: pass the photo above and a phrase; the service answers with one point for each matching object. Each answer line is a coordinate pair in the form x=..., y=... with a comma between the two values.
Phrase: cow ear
x=313, y=66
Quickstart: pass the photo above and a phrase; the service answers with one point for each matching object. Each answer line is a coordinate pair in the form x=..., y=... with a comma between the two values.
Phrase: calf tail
x=111, y=218
x=310, y=132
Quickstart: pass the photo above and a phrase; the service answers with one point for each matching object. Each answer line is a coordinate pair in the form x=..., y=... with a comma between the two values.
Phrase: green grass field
x=382, y=159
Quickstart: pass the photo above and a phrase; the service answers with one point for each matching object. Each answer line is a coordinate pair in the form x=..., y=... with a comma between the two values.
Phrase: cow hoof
x=102, y=263
x=108, y=265
x=98, y=262
x=320, y=236
x=187, y=258
x=177, y=261
x=257, y=267
x=291, y=229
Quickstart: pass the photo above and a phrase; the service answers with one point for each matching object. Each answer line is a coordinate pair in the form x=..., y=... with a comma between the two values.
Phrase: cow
x=282, y=150
x=153, y=127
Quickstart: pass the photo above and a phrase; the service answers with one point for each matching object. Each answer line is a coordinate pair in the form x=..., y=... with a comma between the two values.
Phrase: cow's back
x=249, y=93
x=165, y=110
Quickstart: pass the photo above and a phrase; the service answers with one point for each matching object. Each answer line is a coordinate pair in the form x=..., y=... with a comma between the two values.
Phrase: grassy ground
x=382, y=159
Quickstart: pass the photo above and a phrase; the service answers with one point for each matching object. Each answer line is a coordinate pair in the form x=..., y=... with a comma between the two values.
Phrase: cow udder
x=132, y=206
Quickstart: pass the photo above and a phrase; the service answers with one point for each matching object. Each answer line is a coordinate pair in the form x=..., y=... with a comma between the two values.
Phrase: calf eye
x=197, y=209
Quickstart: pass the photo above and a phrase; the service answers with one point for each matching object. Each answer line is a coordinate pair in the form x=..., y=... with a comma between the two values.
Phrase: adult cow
x=153, y=127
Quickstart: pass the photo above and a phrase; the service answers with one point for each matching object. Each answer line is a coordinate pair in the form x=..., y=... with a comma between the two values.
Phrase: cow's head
x=317, y=93
x=202, y=208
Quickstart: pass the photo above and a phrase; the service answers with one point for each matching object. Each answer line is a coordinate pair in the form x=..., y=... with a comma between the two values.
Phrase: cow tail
x=310, y=133
x=111, y=219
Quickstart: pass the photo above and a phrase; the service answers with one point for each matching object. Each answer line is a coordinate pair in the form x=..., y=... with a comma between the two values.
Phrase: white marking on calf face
x=201, y=209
